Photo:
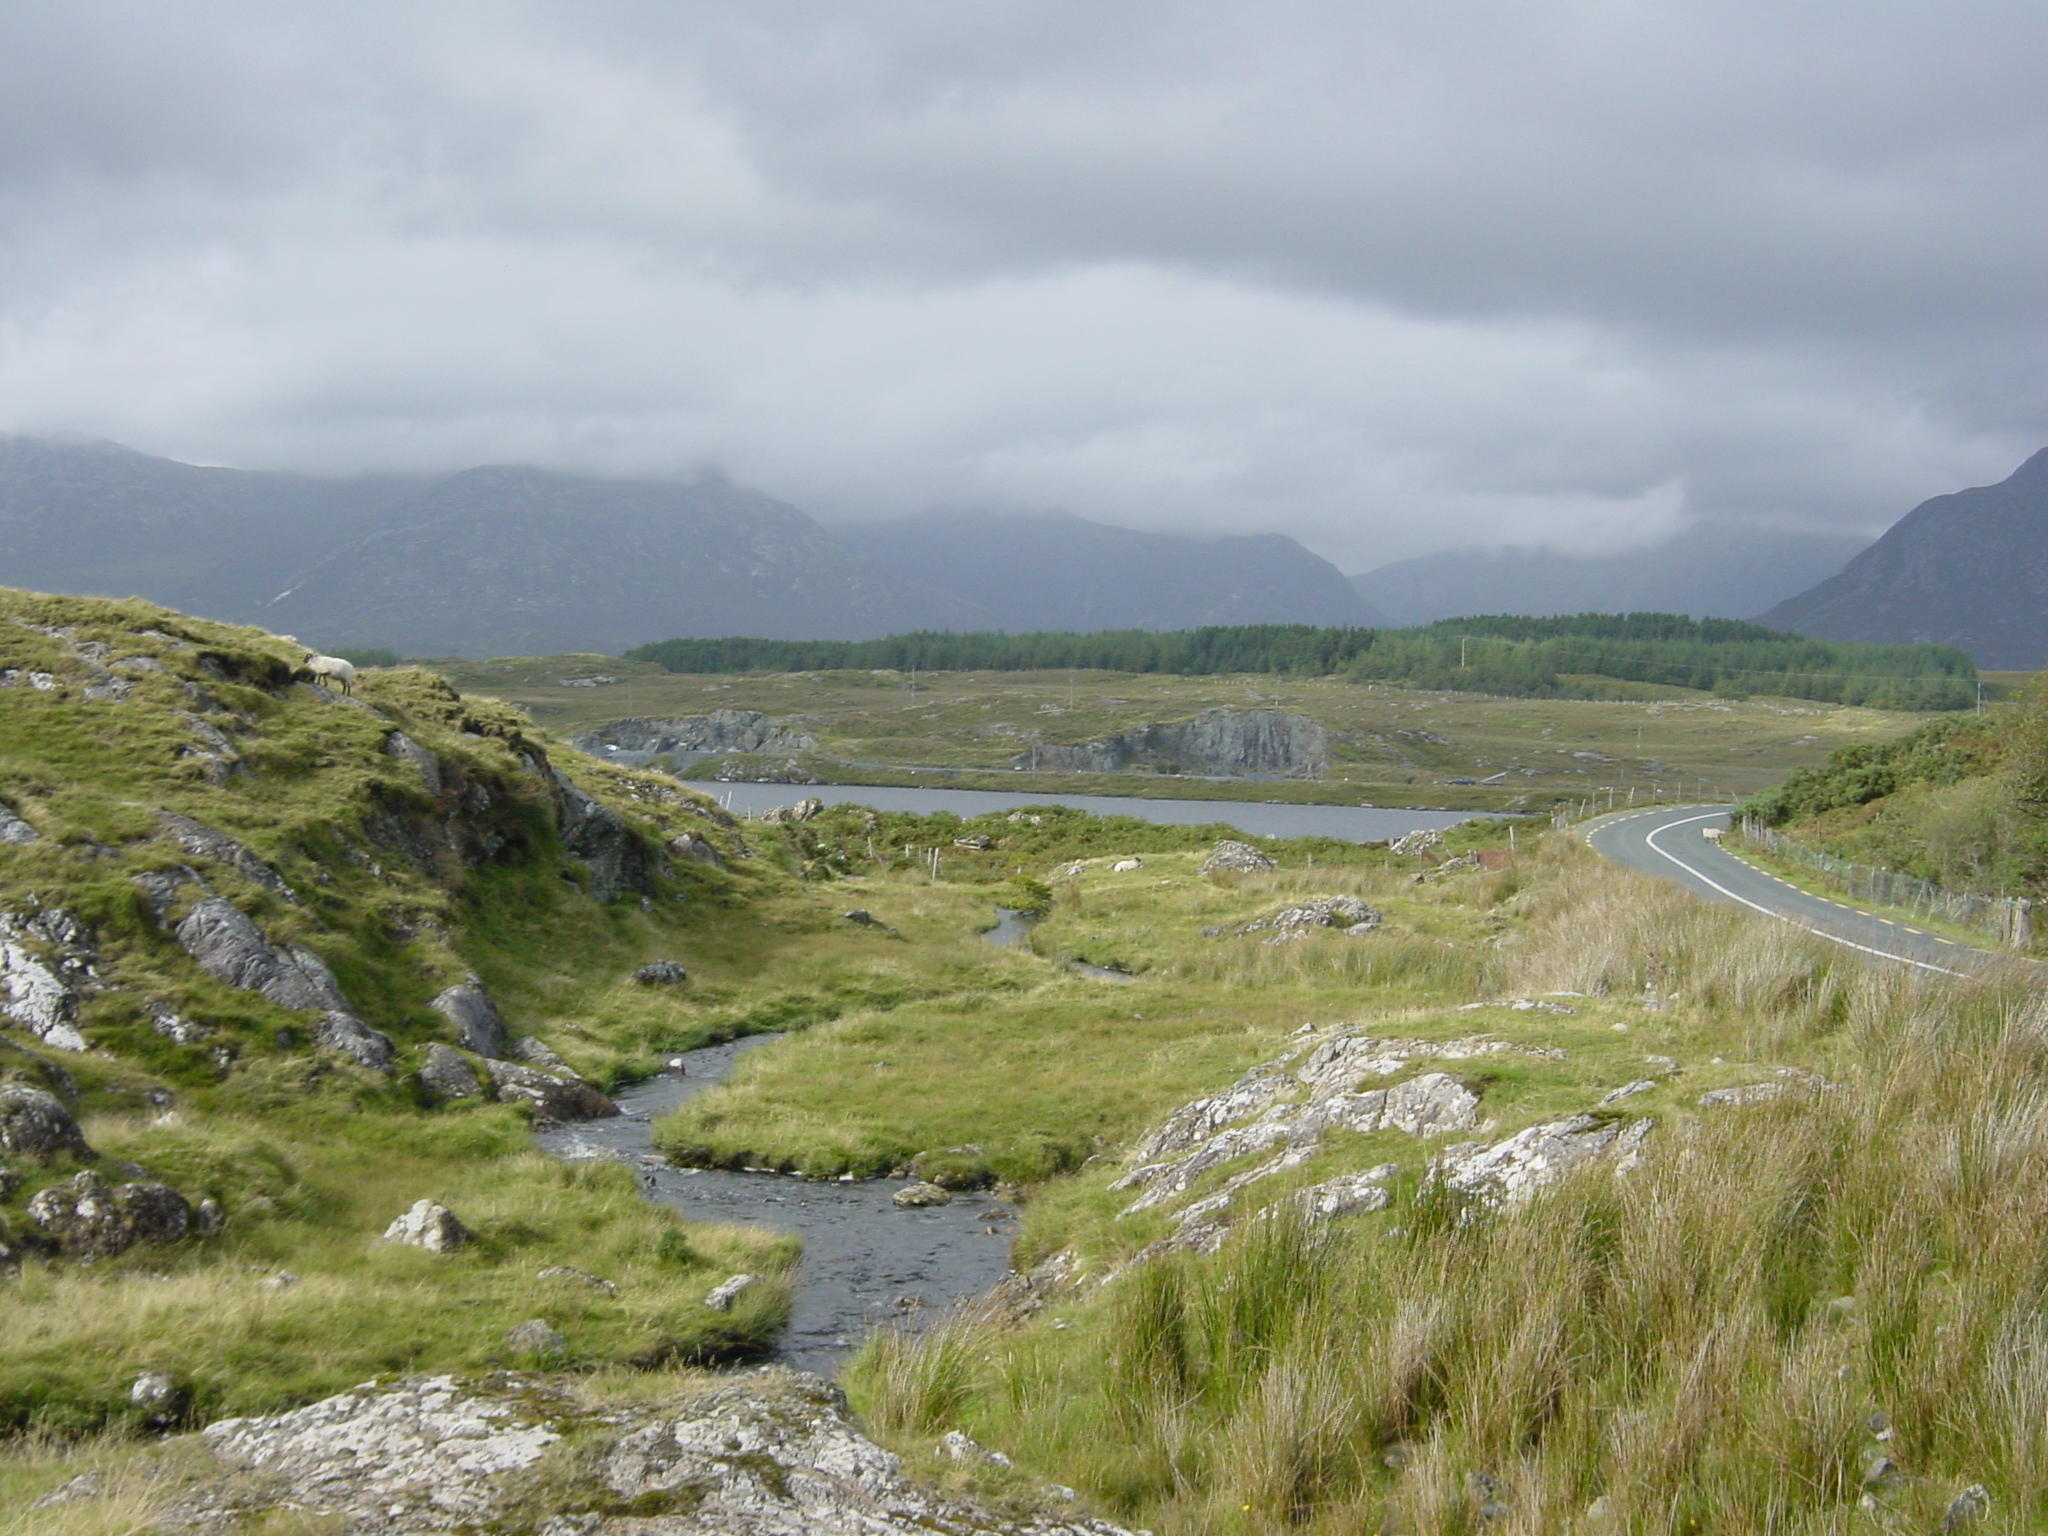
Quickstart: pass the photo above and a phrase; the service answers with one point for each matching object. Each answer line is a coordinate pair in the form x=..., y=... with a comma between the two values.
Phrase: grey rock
x=977, y=842
x=721, y=1296
x=89, y=1221
x=697, y=849
x=662, y=973
x=1510, y=1171
x=469, y=1009
x=553, y=1098
x=1967, y=1508
x=401, y=746
x=47, y=967
x=208, y=1217
x=721, y=731
x=34, y=1123
x=1628, y=1090
x=792, y=815
x=597, y=837
x=1787, y=1080
x=204, y=842
x=1346, y=912
x=1226, y=741
x=1234, y=858
x=765, y=1453
x=173, y=1026
x=430, y=1226
x=911, y=1196
x=10, y=1181
x=536, y=1052
x=446, y=1074
x=228, y=946
x=343, y=1033
x=1420, y=841
x=159, y=1398
x=534, y=1337
x=14, y=830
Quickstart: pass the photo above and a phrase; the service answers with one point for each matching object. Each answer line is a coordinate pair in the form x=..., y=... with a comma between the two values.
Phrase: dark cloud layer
x=1387, y=277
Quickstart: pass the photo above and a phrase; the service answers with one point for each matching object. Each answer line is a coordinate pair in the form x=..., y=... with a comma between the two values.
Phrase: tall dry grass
x=1713, y=1343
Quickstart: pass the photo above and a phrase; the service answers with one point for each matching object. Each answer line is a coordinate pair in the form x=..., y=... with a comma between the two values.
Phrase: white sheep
x=319, y=668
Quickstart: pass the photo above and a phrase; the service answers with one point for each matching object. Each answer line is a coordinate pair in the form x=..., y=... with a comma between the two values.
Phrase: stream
x=866, y=1261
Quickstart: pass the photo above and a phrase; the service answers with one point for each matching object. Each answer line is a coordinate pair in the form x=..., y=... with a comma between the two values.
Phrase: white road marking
x=1650, y=842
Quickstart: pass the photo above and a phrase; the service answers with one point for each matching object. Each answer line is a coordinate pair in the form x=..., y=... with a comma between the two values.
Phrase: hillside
x=1968, y=569
x=1720, y=570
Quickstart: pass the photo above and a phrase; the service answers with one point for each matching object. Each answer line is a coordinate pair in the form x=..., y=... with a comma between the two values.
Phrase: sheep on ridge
x=319, y=669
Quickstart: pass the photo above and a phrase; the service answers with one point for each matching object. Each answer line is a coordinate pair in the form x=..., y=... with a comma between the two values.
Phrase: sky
x=1390, y=276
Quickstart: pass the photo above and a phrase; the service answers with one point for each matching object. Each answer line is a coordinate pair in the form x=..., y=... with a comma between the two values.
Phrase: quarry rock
x=89, y=1221
x=768, y=1452
x=34, y=1123
x=553, y=1098
x=1235, y=858
x=447, y=1074
x=430, y=1226
x=469, y=1010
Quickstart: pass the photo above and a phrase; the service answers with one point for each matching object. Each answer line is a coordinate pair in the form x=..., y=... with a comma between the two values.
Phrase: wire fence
x=2007, y=919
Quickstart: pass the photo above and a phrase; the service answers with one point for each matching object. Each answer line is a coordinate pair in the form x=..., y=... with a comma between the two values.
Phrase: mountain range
x=503, y=560
x=1725, y=570
x=1969, y=569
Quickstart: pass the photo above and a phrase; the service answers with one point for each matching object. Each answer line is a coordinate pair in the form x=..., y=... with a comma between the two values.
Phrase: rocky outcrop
x=34, y=1123
x=47, y=967
x=1262, y=742
x=422, y=762
x=598, y=838
x=721, y=731
x=469, y=1010
x=204, y=842
x=1234, y=858
x=14, y=830
x=228, y=946
x=1285, y=1106
x=89, y=1221
x=762, y=1453
x=1297, y=919
x=807, y=809
x=1509, y=1171
x=552, y=1097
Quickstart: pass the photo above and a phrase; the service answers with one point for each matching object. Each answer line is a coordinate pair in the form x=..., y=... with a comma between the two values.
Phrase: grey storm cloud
x=1387, y=277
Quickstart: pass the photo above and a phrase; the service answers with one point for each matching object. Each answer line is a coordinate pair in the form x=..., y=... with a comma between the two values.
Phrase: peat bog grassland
x=1546, y=1199
x=1389, y=745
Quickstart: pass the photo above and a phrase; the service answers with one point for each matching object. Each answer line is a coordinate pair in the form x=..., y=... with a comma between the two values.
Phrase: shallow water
x=865, y=1260
x=1013, y=931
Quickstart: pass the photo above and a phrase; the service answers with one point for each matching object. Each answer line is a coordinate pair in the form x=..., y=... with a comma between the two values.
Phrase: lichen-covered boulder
x=428, y=1225
x=89, y=1221
x=553, y=1098
x=447, y=1074
x=1234, y=858
x=342, y=1032
x=34, y=1123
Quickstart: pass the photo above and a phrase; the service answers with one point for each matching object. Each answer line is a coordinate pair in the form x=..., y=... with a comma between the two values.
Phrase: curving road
x=1672, y=843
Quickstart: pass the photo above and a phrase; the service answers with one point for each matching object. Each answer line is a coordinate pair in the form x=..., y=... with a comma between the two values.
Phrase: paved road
x=1672, y=842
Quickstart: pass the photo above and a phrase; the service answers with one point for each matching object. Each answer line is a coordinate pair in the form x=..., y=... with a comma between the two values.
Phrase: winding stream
x=865, y=1260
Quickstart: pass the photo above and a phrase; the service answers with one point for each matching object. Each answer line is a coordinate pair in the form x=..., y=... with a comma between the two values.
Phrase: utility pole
x=1463, y=641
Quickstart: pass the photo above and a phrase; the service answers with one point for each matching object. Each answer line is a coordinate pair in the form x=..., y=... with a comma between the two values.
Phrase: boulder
x=793, y=815
x=34, y=1123
x=912, y=1196
x=343, y=1033
x=447, y=1075
x=1235, y=858
x=229, y=947
x=536, y=1052
x=763, y=1451
x=534, y=1337
x=1291, y=922
x=696, y=849
x=1510, y=1171
x=662, y=973
x=430, y=1226
x=13, y=829
x=47, y=961
x=721, y=1296
x=469, y=1009
x=89, y=1221
x=1420, y=841
x=160, y=1399
x=553, y=1098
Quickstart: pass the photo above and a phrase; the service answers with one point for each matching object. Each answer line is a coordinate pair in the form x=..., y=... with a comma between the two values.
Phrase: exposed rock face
x=35, y=1123
x=401, y=746
x=430, y=1226
x=89, y=1221
x=1294, y=922
x=1227, y=741
x=553, y=1098
x=597, y=837
x=448, y=1075
x=1285, y=1107
x=1968, y=569
x=47, y=966
x=468, y=1007
x=203, y=842
x=766, y=1453
x=1509, y=1171
x=721, y=731
x=1235, y=858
